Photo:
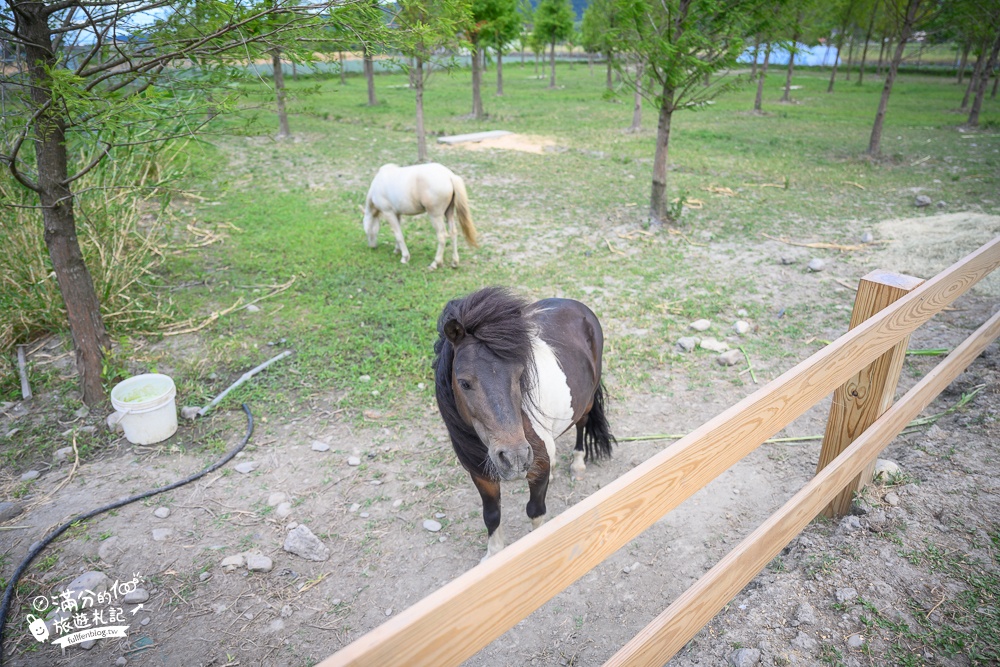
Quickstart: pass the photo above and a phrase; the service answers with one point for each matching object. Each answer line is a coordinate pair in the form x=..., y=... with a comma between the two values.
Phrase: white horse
x=430, y=188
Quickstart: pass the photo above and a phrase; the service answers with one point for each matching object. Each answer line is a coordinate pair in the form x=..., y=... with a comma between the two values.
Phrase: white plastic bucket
x=145, y=408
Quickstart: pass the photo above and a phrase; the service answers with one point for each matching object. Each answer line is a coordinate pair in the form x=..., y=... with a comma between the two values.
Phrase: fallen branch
x=170, y=331
x=825, y=246
x=845, y=284
x=614, y=250
x=749, y=365
x=726, y=192
x=857, y=185
x=679, y=233
x=22, y=369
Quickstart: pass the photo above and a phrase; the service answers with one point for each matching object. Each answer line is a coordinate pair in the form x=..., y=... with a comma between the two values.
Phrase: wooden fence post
x=862, y=399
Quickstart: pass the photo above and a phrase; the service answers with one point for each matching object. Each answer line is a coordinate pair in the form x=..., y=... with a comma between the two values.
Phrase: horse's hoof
x=405, y=260
x=454, y=265
x=433, y=266
x=537, y=522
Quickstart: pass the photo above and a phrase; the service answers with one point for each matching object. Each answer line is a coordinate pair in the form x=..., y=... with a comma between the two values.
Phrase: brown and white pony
x=431, y=188
x=510, y=378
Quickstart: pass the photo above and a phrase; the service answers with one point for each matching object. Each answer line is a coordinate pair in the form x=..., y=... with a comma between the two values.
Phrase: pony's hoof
x=454, y=265
x=433, y=266
x=405, y=259
x=579, y=474
x=537, y=522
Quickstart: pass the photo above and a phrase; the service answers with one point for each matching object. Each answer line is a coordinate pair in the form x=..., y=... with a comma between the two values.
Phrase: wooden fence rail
x=456, y=621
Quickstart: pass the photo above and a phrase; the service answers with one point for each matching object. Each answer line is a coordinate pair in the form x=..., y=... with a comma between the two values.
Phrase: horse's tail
x=597, y=438
x=462, y=212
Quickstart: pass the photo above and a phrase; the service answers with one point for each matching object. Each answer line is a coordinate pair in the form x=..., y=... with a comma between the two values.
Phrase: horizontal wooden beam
x=683, y=619
x=454, y=622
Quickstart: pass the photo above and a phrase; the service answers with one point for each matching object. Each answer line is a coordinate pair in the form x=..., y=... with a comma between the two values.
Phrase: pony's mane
x=495, y=317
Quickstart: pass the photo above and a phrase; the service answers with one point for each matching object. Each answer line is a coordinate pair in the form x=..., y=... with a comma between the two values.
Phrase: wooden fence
x=456, y=621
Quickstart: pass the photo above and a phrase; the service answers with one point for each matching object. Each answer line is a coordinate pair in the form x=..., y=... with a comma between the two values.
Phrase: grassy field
x=551, y=223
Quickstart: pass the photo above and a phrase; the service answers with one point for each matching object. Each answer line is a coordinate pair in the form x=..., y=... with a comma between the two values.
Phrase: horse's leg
x=578, y=468
x=398, y=232
x=538, y=484
x=490, y=493
x=453, y=232
x=442, y=237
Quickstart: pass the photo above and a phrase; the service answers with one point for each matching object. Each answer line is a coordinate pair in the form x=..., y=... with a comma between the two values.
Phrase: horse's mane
x=495, y=317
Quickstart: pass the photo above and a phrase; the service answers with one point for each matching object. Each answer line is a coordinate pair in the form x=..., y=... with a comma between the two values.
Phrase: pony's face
x=488, y=396
x=371, y=224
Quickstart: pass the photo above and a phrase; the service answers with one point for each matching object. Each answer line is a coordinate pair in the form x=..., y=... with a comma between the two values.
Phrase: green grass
x=965, y=624
x=547, y=218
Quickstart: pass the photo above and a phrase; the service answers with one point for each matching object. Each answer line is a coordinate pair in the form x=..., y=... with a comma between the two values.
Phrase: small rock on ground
x=318, y=446
x=276, y=498
x=353, y=461
x=845, y=595
x=62, y=454
x=301, y=542
x=730, y=358
x=713, y=345
x=855, y=641
x=885, y=469
x=230, y=563
x=816, y=264
x=259, y=563
x=688, y=343
x=921, y=201
x=246, y=467
x=161, y=512
x=701, y=325
x=31, y=474
x=745, y=657
x=432, y=525
x=741, y=327
x=136, y=596
x=9, y=510
x=108, y=548
x=892, y=499
x=162, y=534
x=283, y=510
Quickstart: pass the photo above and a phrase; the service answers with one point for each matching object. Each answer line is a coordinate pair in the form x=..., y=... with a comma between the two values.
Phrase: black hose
x=8, y=594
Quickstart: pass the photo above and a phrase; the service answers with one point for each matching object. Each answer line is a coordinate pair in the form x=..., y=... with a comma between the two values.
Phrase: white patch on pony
x=549, y=404
x=495, y=544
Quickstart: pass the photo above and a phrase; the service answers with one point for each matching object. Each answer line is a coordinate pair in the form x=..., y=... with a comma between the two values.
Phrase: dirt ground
x=371, y=518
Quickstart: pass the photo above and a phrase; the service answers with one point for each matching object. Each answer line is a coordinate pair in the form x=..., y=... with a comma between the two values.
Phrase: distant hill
x=578, y=6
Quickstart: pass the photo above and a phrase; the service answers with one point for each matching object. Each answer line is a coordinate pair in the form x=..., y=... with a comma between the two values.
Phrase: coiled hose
x=8, y=594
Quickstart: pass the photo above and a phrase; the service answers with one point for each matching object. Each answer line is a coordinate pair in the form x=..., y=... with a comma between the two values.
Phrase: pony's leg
x=398, y=232
x=442, y=238
x=538, y=484
x=453, y=232
x=489, y=491
x=578, y=468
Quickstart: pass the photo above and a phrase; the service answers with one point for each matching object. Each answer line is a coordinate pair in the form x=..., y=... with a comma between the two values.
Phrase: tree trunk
x=552, y=64
x=964, y=62
x=659, y=212
x=477, y=81
x=369, y=66
x=996, y=80
x=760, y=81
x=418, y=84
x=343, y=68
x=279, y=94
x=83, y=310
x=836, y=61
x=984, y=78
x=868, y=38
x=637, y=102
x=791, y=65
x=499, y=73
x=974, y=79
x=590, y=63
x=756, y=54
x=295, y=72
x=609, y=83
x=874, y=143
x=536, y=64
x=886, y=46
x=850, y=60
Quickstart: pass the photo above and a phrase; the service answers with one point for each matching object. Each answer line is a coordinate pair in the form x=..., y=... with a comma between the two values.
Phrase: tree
x=553, y=23
x=526, y=11
x=484, y=15
x=872, y=15
x=984, y=78
x=681, y=41
x=93, y=75
x=846, y=21
x=428, y=26
x=500, y=32
x=599, y=23
x=908, y=14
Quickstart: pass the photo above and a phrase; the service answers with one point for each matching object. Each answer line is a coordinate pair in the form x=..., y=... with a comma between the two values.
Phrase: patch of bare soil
x=525, y=143
x=367, y=498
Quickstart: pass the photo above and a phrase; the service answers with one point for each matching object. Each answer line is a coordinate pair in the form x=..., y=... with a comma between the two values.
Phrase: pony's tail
x=462, y=212
x=597, y=438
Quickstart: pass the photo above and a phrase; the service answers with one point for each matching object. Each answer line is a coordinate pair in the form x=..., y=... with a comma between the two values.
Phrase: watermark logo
x=76, y=616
